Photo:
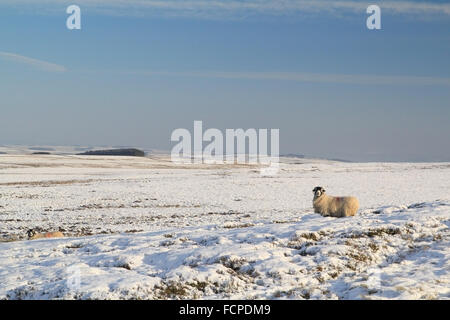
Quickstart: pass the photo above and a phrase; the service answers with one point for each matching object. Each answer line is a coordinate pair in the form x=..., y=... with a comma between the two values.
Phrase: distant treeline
x=41, y=149
x=115, y=152
x=293, y=155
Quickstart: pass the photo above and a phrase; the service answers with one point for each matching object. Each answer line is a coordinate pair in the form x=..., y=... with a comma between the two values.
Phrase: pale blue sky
x=139, y=69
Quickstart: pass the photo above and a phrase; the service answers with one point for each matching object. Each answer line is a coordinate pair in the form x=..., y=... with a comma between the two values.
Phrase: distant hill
x=41, y=149
x=340, y=160
x=115, y=152
x=293, y=155
x=41, y=152
x=301, y=156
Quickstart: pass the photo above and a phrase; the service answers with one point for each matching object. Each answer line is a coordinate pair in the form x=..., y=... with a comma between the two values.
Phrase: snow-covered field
x=144, y=228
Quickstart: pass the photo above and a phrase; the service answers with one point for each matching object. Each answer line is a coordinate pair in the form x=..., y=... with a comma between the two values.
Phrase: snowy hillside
x=145, y=228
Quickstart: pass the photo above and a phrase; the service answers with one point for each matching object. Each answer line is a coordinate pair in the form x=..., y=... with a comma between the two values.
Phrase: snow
x=145, y=228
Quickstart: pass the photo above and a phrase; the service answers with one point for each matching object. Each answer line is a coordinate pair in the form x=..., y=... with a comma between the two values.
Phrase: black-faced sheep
x=32, y=235
x=334, y=206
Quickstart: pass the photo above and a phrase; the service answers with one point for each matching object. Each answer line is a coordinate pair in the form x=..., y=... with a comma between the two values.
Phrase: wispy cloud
x=310, y=77
x=241, y=8
x=40, y=64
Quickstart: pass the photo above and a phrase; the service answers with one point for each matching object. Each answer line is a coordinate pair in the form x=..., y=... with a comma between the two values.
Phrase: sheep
x=32, y=235
x=334, y=206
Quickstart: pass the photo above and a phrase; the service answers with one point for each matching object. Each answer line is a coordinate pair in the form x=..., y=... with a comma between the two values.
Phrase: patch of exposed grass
x=374, y=232
x=380, y=231
x=75, y=246
x=124, y=265
x=437, y=237
x=374, y=247
x=359, y=256
x=133, y=231
x=171, y=290
x=199, y=285
x=314, y=236
x=231, y=262
x=236, y=226
x=334, y=275
x=280, y=221
x=225, y=213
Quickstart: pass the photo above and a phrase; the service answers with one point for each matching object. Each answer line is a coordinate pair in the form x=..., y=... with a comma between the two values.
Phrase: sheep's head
x=318, y=191
x=31, y=233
